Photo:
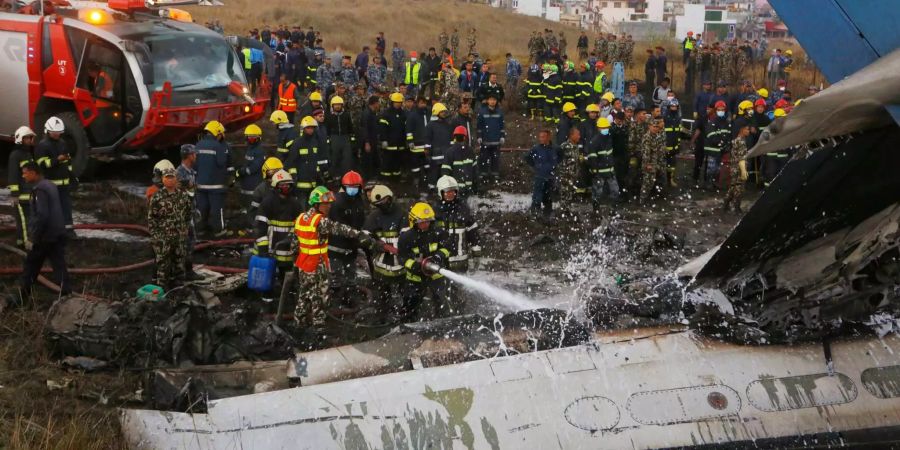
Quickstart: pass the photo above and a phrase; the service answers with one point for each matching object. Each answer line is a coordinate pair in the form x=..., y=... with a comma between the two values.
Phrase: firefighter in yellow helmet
x=214, y=167
x=392, y=135
x=312, y=103
x=423, y=248
x=250, y=174
x=568, y=120
x=269, y=168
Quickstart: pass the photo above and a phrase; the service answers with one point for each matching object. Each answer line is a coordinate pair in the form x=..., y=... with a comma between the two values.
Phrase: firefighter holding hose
x=423, y=248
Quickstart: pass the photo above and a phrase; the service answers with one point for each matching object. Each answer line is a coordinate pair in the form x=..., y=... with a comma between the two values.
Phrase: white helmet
x=54, y=124
x=161, y=166
x=282, y=176
x=22, y=133
x=447, y=183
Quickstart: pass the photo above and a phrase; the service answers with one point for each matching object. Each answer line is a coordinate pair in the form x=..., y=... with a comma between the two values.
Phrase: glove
x=476, y=250
x=649, y=169
x=384, y=144
x=388, y=248
x=411, y=146
x=743, y=166
x=479, y=141
x=29, y=245
x=632, y=162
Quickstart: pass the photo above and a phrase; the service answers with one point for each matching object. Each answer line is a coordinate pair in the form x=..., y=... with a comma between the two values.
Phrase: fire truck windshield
x=193, y=62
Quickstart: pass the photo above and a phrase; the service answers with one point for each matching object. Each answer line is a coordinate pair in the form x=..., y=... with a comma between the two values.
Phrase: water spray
x=516, y=302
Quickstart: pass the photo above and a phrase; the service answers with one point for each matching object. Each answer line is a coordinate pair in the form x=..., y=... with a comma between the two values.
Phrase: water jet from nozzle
x=516, y=302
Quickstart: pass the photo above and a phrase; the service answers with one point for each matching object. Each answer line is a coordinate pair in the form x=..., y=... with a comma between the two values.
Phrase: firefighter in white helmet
x=19, y=190
x=55, y=158
x=385, y=223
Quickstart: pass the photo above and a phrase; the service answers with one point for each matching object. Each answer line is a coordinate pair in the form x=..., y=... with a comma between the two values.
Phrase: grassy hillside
x=415, y=24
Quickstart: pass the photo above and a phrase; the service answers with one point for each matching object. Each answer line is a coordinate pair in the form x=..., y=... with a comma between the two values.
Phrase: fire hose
x=125, y=268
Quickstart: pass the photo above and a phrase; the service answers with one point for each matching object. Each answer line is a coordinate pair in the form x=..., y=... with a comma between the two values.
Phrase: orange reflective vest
x=313, y=249
x=286, y=100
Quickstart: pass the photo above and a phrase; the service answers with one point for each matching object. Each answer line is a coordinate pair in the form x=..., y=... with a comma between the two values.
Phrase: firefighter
x=602, y=165
x=551, y=88
x=392, y=134
x=459, y=163
x=438, y=135
x=571, y=90
x=286, y=133
x=19, y=189
x=588, y=129
x=533, y=91
x=312, y=103
x=416, y=121
x=341, y=137
x=275, y=222
x=303, y=161
x=568, y=120
x=313, y=230
x=774, y=162
x=349, y=208
x=52, y=154
x=250, y=175
x=717, y=141
x=288, y=97
x=454, y=216
x=421, y=247
x=385, y=223
x=269, y=168
x=213, y=168
x=672, y=121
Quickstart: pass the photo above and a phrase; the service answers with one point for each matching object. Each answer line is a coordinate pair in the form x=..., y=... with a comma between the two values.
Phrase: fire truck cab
x=121, y=76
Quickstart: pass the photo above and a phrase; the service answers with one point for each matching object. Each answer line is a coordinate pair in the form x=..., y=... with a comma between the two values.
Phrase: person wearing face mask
x=385, y=223
x=349, y=209
x=718, y=138
x=601, y=163
x=274, y=224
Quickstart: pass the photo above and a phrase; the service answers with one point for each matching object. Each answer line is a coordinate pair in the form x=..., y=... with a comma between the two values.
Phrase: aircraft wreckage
x=817, y=256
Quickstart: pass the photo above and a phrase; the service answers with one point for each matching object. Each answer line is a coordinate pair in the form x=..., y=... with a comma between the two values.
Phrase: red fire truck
x=124, y=75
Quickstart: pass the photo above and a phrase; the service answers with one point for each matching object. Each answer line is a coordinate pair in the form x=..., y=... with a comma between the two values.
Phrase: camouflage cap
x=338, y=84
x=169, y=173
x=361, y=85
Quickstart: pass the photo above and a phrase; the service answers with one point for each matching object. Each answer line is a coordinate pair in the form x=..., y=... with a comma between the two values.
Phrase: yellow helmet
x=397, y=97
x=337, y=100
x=308, y=121
x=744, y=106
x=789, y=52
x=215, y=128
x=797, y=103
x=763, y=92
x=278, y=117
x=568, y=106
x=437, y=109
x=780, y=113
x=271, y=163
x=593, y=107
x=608, y=97
x=603, y=122
x=252, y=130
x=420, y=212
x=315, y=96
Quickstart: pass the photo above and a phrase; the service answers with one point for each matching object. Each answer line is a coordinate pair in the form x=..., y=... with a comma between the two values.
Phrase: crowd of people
x=320, y=190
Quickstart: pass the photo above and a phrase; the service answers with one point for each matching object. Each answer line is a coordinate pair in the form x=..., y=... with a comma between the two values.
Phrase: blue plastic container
x=261, y=273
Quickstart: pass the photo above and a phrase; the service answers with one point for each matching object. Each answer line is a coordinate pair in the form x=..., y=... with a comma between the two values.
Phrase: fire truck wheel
x=76, y=137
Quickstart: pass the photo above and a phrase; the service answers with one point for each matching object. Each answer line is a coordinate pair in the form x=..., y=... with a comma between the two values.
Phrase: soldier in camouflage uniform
x=653, y=158
x=448, y=89
x=629, y=51
x=443, y=41
x=356, y=104
x=472, y=40
x=736, y=160
x=550, y=41
x=612, y=50
x=728, y=65
x=741, y=64
x=311, y=231
x=600, y=47
x=563, y=43
x=622, y=48
x=168, y=217
x=376, y=73
x=568, y=169
x=636, y=132
x=540, y=45
x=454, y=43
